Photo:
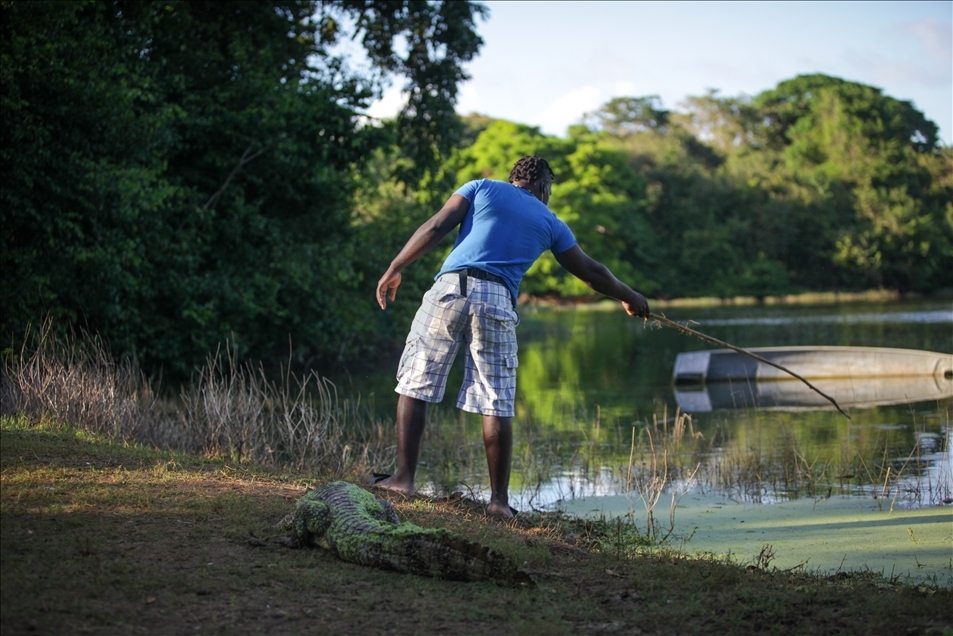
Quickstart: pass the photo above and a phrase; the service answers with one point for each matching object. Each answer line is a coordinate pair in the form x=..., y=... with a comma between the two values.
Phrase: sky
x=547, y=63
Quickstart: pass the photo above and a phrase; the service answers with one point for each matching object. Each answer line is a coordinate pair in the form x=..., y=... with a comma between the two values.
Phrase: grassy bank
x=105, y=536
x=805, y=298
x=229, y=409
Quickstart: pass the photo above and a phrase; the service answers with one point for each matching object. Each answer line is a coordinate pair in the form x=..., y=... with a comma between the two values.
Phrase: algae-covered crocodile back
x=351, y=523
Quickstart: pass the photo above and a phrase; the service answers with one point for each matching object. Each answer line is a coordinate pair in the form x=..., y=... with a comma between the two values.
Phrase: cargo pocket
x=504, y=318
x=407, y=359
x=446, y=289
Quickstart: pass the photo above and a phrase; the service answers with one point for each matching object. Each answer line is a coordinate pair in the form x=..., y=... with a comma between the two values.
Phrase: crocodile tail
x=448, y=556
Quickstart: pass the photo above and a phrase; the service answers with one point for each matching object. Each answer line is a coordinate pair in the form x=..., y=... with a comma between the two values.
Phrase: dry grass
x=661, y=468
x=230, y=410
x=759, y=471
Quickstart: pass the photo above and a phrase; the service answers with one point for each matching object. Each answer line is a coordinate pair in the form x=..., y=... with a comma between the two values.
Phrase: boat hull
x=854, y=376
x=797, y=396
x=723, y=365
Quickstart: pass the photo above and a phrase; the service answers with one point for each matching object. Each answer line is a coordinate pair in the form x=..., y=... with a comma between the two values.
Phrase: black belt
x=473, y=272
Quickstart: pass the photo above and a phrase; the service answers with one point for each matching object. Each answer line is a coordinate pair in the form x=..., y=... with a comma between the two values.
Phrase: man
x=504, y=228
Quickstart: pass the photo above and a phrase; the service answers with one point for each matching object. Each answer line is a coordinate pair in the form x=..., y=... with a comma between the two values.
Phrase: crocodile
x=348, y=521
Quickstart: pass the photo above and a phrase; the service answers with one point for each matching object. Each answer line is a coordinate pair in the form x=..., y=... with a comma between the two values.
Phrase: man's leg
x=498, y=441
x=411, y=419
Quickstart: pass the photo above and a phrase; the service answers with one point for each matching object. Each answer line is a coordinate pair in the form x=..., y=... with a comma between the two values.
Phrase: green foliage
x=182, y=173
x=178, y=174
x=622, y=116
x=799, y=113
x=875, y=158
x=725, y=123
x=386, y=211
x=600, y=198
x=499, y=146
x=67, y=229
x=817, y=184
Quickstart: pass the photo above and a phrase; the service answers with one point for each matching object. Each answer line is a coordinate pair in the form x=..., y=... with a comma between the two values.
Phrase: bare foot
x=397, y=485
x=496, y=509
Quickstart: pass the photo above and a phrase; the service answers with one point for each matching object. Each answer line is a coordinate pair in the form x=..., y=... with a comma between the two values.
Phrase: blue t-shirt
x=505, y=230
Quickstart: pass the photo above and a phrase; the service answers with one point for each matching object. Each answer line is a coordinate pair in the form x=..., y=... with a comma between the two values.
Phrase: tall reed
x=660, y=468
x=777, y=462
x=229, y=410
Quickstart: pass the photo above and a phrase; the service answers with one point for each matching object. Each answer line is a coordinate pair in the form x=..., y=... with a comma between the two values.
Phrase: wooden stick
x=722, y=343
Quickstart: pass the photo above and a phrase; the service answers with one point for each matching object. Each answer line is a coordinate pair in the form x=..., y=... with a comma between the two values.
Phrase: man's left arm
x=599, y=278
x=423, y=240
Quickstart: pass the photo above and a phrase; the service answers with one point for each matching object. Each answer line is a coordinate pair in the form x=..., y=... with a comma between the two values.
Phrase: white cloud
x=936, y=37
x=568, y=109
x=884, y=72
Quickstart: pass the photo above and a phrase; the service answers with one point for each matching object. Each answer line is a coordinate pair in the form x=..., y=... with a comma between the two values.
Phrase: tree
x=854, y=144
x=82, y=186
x=796, y=107
x=727, y=123
x=818, y=183
x=439, y=37
x=181, y=173
x=623, y=116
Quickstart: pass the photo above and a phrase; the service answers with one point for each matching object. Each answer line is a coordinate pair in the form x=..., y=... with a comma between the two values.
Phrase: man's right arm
x=599, y=278
x=423, y=240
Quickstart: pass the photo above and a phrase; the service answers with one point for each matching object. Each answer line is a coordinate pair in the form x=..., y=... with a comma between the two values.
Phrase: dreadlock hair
x=530, y=168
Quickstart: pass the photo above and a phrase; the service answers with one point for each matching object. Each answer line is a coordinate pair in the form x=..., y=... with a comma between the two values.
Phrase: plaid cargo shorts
x=482, y=317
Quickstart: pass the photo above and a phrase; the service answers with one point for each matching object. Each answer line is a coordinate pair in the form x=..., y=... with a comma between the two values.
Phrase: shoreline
x=806, y=298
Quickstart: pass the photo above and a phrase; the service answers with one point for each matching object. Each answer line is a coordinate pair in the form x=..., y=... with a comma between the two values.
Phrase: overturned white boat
x=854, y=376
x=810, y=362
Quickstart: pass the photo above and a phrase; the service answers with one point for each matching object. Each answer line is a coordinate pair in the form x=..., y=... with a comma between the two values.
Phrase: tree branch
x=246, y=159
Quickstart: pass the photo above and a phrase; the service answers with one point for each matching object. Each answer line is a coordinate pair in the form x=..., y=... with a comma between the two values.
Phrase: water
x=598, y=432
x=595, y=389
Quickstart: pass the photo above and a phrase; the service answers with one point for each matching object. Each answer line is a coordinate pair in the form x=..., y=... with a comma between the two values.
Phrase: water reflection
x=797, y=396
x=938, y=316
x=594, y=385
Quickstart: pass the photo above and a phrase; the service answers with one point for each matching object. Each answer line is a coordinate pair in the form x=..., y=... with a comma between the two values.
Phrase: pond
x=599, y=429
x=594, y=384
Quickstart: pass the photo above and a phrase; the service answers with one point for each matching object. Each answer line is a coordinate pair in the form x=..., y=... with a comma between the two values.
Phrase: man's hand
x=424, y=239
x=638, y=308
x=387, y=287
x=598, y=278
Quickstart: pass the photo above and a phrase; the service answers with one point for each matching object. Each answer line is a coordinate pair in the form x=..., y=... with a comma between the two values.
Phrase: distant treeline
x=818, y=184
x=178, y=174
